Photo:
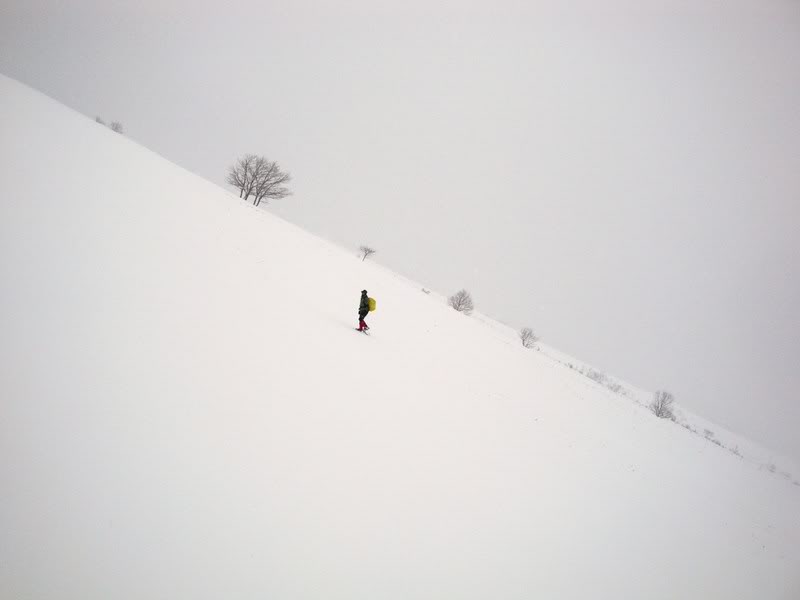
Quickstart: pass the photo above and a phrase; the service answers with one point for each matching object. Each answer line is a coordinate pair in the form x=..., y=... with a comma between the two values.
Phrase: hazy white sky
x=625, y=179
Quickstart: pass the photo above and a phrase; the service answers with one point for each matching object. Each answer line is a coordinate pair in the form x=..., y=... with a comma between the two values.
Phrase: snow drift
x=187, y=412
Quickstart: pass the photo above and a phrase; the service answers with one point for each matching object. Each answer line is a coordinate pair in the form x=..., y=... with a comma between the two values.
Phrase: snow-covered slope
x=187, y=412
x=746, y=449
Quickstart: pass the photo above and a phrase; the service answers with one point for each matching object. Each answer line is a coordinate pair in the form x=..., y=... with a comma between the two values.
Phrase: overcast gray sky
x=624, y=179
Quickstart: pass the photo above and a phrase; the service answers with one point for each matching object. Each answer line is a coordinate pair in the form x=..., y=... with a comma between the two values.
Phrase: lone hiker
x=363, y=309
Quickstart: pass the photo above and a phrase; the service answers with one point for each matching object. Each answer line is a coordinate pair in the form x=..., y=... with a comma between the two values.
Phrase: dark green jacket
x=363, y=308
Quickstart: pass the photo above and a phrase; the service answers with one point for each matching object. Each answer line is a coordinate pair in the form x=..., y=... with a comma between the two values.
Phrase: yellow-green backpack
x=371, y=304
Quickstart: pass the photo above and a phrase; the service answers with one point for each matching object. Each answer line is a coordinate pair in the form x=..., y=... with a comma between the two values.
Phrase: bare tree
x=662, y=405
x=99, y=120
x=461, y=301
x=366, y=252
x=270, y=181
x=528, y=338
x=258, y=177
x=116, y=126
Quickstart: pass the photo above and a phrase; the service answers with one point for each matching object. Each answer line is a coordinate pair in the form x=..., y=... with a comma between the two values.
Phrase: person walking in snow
x=363, y=309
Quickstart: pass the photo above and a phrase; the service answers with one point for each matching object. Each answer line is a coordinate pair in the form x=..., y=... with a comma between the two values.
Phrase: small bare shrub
x=662, y=404
x=462, y=302
x=99, y=120
x=116, y=127
x=528, y=338
x=366, y=252
x=708, y=434
x=596, y=376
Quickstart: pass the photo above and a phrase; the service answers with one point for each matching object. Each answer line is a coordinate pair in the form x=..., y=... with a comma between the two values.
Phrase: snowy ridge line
x=746, y=449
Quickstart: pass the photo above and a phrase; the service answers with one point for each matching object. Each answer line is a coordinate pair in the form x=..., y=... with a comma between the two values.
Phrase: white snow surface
x=188, y=412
